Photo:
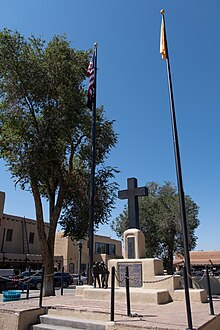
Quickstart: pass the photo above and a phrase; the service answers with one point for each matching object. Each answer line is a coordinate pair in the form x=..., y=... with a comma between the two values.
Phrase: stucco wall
x=70, y=250
x=13, y=320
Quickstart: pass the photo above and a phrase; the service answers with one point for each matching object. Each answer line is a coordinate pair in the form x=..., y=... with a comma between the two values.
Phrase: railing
x=26, y=282
x=125, y=277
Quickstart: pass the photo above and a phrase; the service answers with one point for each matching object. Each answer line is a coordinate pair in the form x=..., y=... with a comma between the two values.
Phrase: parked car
x=7, y=282
x=216, y=272
x=83, y=280
x=197, y=272
x=67, y=279
x=34, y=279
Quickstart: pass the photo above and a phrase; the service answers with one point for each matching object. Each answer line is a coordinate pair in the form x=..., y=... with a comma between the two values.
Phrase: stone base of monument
x=137, y=295
x=147, y=274
x=140, y=295
x=147, y=282
x=196, y=295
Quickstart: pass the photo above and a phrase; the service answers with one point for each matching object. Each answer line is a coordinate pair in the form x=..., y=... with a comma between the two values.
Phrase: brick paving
x=170, y=316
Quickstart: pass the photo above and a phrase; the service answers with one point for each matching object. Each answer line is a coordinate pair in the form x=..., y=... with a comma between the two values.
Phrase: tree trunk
x=48, y=285
x=47, y=241
x=170, y=261
x=47, y=250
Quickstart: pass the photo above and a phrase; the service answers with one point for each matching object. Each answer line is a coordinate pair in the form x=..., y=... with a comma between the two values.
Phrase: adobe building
x=20, y=248
x=19, y=243
x=105, y=248
x=200, y=259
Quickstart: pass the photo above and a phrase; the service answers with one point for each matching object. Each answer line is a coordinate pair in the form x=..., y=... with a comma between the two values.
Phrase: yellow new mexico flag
x=163, y=46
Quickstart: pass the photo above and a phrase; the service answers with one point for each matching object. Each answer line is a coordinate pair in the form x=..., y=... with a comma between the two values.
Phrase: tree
x=75, y=217
x=161, y=223
x=45, y=127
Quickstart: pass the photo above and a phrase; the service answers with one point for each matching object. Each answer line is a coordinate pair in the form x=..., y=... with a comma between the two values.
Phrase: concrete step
x=51, y=327
x=66, y=322
x=137, y=295
x=83, y=313
x=196, y=295
x=141, y=295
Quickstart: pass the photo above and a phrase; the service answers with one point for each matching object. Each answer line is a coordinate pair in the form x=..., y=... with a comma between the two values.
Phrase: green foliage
x=45, y=132
x=43, y=111
x=75, y=217
x=160, y=221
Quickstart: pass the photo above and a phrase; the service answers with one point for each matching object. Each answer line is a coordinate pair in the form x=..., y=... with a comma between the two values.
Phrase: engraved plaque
x=135, y=274
x=131, y=248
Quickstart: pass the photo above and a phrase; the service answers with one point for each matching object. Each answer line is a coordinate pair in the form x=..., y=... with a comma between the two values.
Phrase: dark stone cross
x=132, y=194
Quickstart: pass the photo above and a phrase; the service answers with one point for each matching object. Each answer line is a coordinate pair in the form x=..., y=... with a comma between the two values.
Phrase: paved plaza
x=150, y=316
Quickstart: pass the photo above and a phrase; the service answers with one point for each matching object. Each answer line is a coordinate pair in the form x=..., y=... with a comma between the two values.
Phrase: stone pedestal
x=147, y=281
x=143, y=273
x=134, y=244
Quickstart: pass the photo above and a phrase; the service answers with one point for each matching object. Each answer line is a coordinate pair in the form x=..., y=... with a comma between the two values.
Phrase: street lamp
x=80, y=244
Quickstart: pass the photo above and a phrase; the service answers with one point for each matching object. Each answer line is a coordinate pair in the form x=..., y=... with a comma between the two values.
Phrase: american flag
x=91, y=74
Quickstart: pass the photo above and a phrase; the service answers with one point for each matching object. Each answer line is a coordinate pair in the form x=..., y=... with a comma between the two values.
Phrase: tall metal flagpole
x=177, y=159
x=92, y=177
x=187, y=277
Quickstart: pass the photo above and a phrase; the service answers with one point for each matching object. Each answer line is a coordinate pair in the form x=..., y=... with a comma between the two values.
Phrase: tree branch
x=72, y=151
x=26, y=98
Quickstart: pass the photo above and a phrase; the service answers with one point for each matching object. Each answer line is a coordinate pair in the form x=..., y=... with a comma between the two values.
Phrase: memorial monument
x=134, y=240
x=147, y=280
x=145, y=273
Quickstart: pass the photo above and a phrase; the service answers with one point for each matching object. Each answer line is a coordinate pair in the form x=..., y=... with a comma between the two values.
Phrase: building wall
x=18, y=234
x=19, y=242
x=200, y=258
x=61, y=247
x=70, y=251
x=106, y=248
x=13, y=245
x=2, y=202
x=15, y=227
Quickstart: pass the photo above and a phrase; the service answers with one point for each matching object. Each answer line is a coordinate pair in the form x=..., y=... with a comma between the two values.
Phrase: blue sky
x=132, y=85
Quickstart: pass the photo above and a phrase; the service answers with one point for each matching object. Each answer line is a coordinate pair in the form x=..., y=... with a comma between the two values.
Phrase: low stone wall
x=19, y=320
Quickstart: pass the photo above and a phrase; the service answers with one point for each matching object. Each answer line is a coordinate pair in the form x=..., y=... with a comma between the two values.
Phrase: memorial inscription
x=131, y=247
x=135, y=274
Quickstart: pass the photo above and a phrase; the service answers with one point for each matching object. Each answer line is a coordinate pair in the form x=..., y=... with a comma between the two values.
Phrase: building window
x=105, y=248
x=31, y=238
x=84, y=269
x=9, y=235
x=112, y=250
x=100, y=248
x=71, y=268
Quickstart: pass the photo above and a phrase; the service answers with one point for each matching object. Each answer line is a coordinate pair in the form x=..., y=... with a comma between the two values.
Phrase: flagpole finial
x=95, y=44
x=162, y=11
